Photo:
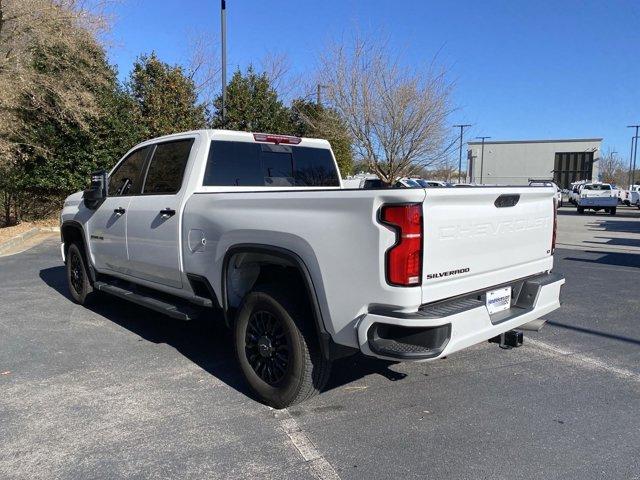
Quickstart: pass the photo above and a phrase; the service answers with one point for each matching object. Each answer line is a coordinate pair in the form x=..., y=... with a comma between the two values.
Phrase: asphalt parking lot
x=120, y=392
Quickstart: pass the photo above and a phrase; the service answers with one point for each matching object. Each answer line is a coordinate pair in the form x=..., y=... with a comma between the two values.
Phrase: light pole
x=461, y=127
x=223, y=34
x=632, y=156
x=318, y=93
x=482, y=157
x=635, y=154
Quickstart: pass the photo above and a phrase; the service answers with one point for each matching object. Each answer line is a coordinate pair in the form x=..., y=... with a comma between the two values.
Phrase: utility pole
x=634, y=154
x=461, y=127
x=482, y=157
x=223, y=32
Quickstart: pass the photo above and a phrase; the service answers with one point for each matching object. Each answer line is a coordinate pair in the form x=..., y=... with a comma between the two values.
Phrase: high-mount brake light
x=277, y=139
x=404, y=259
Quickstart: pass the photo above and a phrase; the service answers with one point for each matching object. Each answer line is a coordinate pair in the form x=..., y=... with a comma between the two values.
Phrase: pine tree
x=252, y=106
x=165, y=97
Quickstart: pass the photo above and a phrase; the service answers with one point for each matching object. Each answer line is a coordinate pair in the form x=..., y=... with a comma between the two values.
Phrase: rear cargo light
x=277, y=139
x=555, y=226
x=404, y=259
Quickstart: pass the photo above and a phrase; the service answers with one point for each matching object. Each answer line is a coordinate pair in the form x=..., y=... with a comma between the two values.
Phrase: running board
x=179, y=312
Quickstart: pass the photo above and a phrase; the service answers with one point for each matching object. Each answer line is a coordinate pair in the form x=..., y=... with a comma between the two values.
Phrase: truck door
x=107, y=226
x=153, y=220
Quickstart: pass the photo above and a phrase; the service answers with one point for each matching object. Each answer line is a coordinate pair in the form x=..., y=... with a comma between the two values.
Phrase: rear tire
x=277, y=348
x=78, y=276
x=612, y=211
x=580, y=210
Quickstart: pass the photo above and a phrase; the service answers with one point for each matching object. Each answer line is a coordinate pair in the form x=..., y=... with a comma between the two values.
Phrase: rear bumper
x=445, y=327
x=598, y=202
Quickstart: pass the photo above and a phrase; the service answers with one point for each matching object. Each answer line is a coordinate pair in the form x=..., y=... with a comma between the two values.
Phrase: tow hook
x=507, y=340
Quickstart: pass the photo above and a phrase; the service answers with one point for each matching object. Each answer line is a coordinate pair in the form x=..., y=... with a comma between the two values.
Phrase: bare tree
x=204, y=68
x=277, y=67
x=611, y=167
x=398, y=117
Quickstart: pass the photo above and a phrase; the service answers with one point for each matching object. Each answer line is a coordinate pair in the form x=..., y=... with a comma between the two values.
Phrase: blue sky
x=523, y=69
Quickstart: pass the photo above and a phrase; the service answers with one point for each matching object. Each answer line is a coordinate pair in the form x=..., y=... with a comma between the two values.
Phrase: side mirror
x=97, y=191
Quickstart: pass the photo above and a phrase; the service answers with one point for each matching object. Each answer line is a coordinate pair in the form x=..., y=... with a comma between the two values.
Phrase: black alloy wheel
x=76, y=272
x=267, y=348
x=80, y=287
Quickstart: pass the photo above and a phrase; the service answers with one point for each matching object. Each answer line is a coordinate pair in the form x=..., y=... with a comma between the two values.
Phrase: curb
x=24, y=236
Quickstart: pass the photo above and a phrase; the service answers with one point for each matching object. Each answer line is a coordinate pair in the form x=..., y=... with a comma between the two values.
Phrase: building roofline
x=566, y=140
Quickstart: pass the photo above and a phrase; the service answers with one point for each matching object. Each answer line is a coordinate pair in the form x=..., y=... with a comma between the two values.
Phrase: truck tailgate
x=476, y=238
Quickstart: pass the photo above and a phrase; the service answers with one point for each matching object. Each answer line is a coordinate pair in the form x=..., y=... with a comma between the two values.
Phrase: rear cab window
x=234, y=163
x=597, y=187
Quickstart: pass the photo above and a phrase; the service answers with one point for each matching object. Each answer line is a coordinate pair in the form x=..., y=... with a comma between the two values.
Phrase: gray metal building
x=515, y=162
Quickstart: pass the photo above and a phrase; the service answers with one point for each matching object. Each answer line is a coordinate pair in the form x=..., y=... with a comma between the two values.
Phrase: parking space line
x=319, y=465
x=585, y=360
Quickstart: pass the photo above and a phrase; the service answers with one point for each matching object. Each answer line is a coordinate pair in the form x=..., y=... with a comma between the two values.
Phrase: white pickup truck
x=631, y=196
x=304, y=271
x=596, y=196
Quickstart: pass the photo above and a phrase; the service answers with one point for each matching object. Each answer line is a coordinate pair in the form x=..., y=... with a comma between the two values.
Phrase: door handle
x=167, y=212
x=119, y=211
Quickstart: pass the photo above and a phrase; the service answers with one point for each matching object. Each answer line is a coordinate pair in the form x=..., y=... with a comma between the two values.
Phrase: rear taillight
x=555, y=226
x=404, y=259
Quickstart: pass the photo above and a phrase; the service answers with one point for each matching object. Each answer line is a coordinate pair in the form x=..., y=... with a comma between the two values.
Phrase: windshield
x=597, y=187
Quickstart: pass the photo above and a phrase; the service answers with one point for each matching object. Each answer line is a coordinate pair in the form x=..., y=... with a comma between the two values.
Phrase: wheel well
x=247, y=269
x=72, y=234
x=249, y=265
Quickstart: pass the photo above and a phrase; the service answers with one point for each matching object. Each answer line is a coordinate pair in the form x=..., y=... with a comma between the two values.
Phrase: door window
x=167, y=166
x=126, y=179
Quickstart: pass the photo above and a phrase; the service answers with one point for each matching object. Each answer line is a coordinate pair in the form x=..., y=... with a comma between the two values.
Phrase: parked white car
x=303, y=271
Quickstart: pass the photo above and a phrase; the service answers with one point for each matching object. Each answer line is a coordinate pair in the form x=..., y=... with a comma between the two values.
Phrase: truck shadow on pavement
x=206, y=341
x=609, y=258
x=598, y=333
x=613, y=241
x=623, y=226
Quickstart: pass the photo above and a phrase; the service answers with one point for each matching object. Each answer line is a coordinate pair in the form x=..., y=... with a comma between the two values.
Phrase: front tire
x=580, y=210
x=612, y=211
x=277, y=348
x=77, y=276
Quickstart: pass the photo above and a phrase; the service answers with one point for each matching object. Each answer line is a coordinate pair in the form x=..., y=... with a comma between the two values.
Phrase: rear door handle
x=119, y=211
x=167, y=212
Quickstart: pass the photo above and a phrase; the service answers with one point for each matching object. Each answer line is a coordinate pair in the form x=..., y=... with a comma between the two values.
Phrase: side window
x=126, y=179
x=165, y=172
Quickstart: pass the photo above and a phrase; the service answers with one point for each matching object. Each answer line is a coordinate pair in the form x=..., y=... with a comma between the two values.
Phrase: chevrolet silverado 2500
x=304, y=271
